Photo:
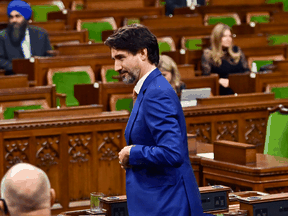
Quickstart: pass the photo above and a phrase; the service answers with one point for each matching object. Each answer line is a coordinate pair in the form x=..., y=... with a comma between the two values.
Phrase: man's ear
x=144, y=54
x=52, y=196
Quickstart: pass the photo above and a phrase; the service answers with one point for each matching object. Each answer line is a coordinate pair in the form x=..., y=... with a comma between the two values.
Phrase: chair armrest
x=62, y=98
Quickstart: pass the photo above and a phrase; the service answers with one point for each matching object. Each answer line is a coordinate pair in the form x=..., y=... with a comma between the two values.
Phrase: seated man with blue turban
x=20, y=40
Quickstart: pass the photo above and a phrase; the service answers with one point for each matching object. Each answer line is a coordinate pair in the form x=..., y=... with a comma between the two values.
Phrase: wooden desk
x=56, y=37
x=270, y=174
x=81, y=48
x=119, y=15
x=38, y=69
x=240, y=122
x=79, y=153
x=241, y=10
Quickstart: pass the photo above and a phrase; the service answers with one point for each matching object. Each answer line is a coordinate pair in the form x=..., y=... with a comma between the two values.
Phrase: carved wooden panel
x=234, y=187
x=111, y=178
x=79, y=147
x=80, y=151
x=276, y=190
x=109, y=145
x=16, y=151
x=255, y=130
x=47, y=153
x=227, y=130
x=202, y=131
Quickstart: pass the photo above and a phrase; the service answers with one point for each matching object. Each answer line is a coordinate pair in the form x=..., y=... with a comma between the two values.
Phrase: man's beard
x=129, y=78
x=16, y=32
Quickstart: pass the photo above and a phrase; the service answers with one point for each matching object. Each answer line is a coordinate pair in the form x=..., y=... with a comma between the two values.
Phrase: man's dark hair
x=133, y=38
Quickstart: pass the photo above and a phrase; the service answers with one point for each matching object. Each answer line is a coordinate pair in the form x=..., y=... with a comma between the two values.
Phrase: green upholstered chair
x=277, y=133
x=263, y=60
x=260, y=63
x=131, y=20
x=96, y=26
x=228, y=19
x=191, y=43
x=77, y=5
x=285, y=3
x=166, y=44
x=258, y=17
x=40, y=11
x=66, y=78
x=108, y=74
x=121, y=102
x=278, y=39
x=279, y=89
x=9, y=111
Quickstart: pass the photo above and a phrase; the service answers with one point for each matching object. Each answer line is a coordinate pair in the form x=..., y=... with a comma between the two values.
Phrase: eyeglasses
x=6, y=212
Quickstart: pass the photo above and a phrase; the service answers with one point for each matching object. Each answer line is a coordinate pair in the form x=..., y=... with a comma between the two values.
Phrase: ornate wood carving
x=202, y=131
x=227, y=130
x=234, y=187
x=79, y=147
x=79, y=199
x=16, y=151
x=47, y=151
x=255, y=131
x=276, y=190
x=109, y=145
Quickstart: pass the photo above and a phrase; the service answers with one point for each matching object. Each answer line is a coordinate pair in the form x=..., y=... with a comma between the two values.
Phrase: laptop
x=189, y=96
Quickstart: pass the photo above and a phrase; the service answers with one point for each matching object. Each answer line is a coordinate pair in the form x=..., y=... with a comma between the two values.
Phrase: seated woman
x=223, y=57
x=170, y=71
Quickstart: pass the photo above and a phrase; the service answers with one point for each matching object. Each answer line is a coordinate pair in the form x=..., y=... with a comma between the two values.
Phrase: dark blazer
x=172, y=4
x=39, y=41
x=161, y=180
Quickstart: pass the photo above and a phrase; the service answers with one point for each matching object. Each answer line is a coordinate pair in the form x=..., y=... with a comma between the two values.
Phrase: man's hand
x=224, y=82
x=124, y=157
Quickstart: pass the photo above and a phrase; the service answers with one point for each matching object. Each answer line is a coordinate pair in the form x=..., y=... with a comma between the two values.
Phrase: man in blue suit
x=19, y=40
x=159, y=177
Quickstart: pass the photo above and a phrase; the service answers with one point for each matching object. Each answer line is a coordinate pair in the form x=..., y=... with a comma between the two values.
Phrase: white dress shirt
x=140, y=82
x=26, y=46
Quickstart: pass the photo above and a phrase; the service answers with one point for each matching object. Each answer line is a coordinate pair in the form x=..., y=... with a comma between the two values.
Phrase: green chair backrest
x=40, y=12
x=193, y=44
x=285, y=3
x=109, y=75
x=95, y=29
x=9, y=111
x=280, y=92
x=163, y=47
x=79, y=7
x=230, y=21
x=124, y=104
x=276, y=142
x=132, y=21
x=260, y=19
x=278, y=39
x=65, y=84
x=261, y=63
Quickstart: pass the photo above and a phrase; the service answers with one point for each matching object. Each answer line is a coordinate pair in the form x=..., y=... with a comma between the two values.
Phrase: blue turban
x=21, y=7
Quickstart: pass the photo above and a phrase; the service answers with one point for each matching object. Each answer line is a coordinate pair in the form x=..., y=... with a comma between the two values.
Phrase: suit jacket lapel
x=33, y=38
x=138, y=102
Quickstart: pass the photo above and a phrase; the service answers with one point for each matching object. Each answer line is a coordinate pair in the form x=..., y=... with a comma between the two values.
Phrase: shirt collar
x=140, y=82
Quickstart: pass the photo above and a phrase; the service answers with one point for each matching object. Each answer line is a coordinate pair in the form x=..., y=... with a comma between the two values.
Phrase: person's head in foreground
x=169, y=70
x=26, y=190
x=221, y=42
x=19, y=12
x=135, y=51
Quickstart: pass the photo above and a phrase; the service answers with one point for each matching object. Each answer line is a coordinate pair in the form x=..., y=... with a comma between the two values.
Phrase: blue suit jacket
x=161, y=180
x=39, y=42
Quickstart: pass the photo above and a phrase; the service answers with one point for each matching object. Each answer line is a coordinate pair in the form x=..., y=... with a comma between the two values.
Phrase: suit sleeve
x=4, y=63
x=47, y=44
x=161, y=119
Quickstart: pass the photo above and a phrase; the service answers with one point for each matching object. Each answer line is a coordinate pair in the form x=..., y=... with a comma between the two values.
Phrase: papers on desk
x=209, y=155
x=188, y=103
